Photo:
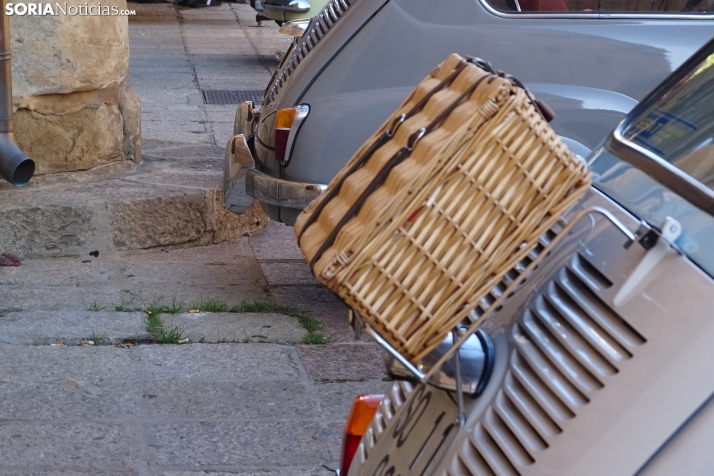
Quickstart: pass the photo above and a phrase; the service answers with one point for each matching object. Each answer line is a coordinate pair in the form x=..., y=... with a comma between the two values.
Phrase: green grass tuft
x=96, y=306
x=171, y=336
x=158, y=306
x=94, y=337
x=122, y=307
x=209, y=304
x=317, y=339
x=156, y=328
x=310, y=324
x=313, y=328
x=154, y=325
x=175, y=306
x=253, y=306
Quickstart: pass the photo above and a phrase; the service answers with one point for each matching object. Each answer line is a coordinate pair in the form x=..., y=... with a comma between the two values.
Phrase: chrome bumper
x=283, y=193
x=238, y=160
x=243, y=122
x=242, y=183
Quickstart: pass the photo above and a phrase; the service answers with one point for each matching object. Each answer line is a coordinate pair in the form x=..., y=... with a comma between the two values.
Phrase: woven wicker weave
x=413, y=239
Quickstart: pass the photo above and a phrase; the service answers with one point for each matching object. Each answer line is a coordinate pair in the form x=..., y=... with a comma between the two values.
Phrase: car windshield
x=679, y=128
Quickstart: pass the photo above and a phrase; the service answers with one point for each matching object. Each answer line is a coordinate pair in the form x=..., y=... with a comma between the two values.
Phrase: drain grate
x=231, y=96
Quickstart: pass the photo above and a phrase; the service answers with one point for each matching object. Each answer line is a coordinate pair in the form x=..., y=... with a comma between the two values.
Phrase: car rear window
x=603, y=6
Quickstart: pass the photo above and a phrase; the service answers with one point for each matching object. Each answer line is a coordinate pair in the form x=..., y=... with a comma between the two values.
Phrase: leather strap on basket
x=393, y=161
x=388, y=134
x=538, y=104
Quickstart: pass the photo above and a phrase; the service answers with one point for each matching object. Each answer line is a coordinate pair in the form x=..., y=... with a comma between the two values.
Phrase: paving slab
x=297, y=272
x=41, y=364
x=292, y=471
x=343, y=362
x=217, y=362
x=92, y=444
x=69, y=327
x=227, y=401
x=198, y=444
x=196, y=409
x=238, y=327
x=39, y=471
x=72, y=398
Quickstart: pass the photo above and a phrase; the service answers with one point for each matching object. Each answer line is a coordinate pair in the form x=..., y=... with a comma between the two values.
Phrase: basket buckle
x=395, y=125
x=415, y=138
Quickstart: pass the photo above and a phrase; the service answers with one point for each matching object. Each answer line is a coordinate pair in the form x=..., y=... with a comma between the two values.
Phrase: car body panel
x=605, y=428
x=593, y=375
x=380, y=50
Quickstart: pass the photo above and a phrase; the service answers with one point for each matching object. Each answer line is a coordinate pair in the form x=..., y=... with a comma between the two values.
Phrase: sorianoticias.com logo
x=64, y=9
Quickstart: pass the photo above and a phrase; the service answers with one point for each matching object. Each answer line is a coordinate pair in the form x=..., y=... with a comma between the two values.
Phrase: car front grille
x=388, y=409
x=319, y=27
x=567, y=343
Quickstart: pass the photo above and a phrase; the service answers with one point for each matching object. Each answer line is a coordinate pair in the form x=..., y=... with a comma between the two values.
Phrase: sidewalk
x=245, y=395
x=174, y=197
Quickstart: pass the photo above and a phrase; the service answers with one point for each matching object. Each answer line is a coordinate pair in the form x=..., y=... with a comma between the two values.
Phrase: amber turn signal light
x=283, y=121
x=363, y=409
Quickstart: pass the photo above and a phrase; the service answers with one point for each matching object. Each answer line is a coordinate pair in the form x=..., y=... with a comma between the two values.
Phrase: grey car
x=599, y=361
x=591, y=61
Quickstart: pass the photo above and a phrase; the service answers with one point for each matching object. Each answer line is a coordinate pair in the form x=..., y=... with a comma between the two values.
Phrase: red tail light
x=363, y=409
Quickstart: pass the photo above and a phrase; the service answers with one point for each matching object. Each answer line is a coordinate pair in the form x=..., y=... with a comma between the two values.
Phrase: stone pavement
x=173, y=197
x=246, y=394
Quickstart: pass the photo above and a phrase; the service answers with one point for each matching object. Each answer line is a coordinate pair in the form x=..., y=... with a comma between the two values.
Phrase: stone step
x=156, y=205
x=34, y=327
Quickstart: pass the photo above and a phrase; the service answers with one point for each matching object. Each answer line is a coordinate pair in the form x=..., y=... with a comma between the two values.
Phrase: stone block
x=158, y=221
x=227, y=225
x=70, y=142
x=43, y=230
x=57, y=54
x=130, y=107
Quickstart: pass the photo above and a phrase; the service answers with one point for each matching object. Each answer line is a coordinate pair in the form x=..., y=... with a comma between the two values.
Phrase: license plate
x=417, y=437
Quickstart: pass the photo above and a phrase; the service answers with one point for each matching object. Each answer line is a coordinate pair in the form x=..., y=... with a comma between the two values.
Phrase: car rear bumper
x=280, y=192
x=242, y=183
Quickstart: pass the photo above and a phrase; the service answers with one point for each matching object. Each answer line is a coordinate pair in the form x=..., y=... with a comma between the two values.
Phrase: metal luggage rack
x=486, y=306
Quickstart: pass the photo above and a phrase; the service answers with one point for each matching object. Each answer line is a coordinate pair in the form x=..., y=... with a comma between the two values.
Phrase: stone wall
x=73, y=108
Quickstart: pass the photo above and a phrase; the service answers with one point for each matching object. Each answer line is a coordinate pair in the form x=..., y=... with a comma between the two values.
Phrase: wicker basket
x=420, y=224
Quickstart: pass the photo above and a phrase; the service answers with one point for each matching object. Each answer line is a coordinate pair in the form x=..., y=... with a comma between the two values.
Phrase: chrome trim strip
x=662, y=171
x=300, y=114
x=596, y=15
x=282, y=193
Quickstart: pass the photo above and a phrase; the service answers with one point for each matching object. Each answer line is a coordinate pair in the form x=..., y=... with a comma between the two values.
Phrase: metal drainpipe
x=15, y=167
